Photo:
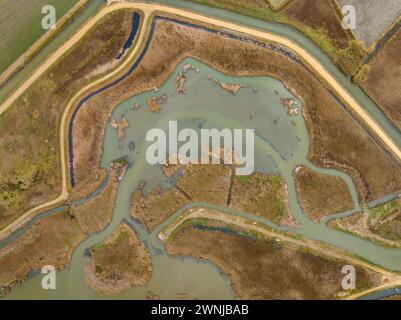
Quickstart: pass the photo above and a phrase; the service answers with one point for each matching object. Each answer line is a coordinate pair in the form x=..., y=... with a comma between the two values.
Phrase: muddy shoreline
x=328, y=160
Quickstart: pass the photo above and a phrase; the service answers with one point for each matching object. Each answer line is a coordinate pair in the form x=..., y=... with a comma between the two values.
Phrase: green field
x=20, y=25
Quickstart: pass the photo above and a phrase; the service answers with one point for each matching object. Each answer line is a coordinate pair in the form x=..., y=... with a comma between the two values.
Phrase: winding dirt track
x=147, y=10
x=388, y=278
x=19, y=63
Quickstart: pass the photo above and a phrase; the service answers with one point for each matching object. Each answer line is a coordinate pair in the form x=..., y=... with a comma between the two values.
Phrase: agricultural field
x=164, y=152
x=381, y=79
x=16, y=38
x=318, y=20
x=373, y=18
x=382, y=223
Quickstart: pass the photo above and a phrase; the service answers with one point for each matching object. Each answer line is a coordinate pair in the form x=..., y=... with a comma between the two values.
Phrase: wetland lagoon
x=281, y=145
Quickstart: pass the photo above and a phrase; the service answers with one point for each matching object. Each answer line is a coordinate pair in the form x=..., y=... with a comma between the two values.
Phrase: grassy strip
x=43, y=41
x=348, y=60
x=336, y=226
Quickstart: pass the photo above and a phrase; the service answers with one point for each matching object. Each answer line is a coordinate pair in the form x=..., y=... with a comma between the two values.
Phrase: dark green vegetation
x=29, y=153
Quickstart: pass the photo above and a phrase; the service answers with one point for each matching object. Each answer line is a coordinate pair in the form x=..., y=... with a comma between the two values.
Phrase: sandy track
x=390, y=279
x=147, y=10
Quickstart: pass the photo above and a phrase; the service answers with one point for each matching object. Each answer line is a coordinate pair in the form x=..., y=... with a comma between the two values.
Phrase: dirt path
x=4, y=233
x=390, y=279
x=147, y=10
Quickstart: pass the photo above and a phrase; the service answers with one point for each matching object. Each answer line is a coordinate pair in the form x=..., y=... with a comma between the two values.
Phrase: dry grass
x=51, y=240
x=336, y=139
x=157, y=206
x=208, y=183
x=29, y=155
x=320, y=21
x=119, y=263
x=322, y=195
x=383, y=80
x=320, y=15
x=266, y=269
x=97, y=213
x=381, y=224
x=262, y=195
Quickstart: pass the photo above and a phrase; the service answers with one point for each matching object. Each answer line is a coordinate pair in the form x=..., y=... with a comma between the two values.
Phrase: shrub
x=350, y=58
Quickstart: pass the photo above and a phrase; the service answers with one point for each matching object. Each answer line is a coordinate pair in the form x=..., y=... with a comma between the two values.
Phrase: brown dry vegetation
x=265, y=269
x=319, y=20
x=321, y=15
x=51, y=240
x=392, y=298
x=383, y=79
x=262, y=195
x=336, y=139
x=209, y=183
x=95, y=214
x=321, y=195
x=29, y=161
x=157, y=206
x=119, y=263
x=381, y=224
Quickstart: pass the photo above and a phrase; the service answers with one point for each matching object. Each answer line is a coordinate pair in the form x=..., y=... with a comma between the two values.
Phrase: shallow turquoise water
x=306, y=43
x=280, y=147
x=71, y=282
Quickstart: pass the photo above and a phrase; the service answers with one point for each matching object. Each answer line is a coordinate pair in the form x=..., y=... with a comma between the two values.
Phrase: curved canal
x=281, y=145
